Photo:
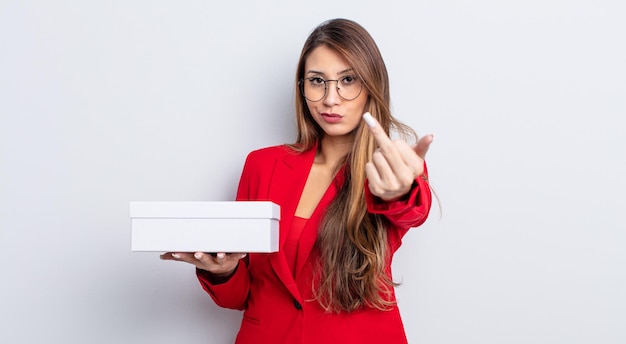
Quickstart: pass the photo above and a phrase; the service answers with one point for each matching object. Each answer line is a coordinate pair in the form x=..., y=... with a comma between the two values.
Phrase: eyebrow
x=315, y=72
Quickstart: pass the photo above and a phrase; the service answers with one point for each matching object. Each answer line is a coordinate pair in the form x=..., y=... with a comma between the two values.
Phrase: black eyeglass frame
x=301, y=87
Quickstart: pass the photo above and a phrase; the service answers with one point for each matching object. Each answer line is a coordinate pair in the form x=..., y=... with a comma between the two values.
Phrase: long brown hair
x=352, y=242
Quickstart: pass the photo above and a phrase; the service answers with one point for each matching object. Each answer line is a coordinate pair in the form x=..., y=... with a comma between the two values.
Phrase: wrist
x=218, y=277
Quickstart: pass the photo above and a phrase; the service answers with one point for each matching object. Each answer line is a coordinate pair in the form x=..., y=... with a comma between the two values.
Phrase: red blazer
x=279, y=308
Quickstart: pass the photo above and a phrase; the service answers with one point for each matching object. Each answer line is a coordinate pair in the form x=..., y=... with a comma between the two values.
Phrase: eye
x=348, y=80
x=316, y=81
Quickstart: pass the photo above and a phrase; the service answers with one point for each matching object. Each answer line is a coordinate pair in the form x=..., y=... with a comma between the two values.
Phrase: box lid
x=217, y=210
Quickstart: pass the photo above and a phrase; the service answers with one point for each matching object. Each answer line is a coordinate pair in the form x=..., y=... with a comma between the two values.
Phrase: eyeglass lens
x=314, y=88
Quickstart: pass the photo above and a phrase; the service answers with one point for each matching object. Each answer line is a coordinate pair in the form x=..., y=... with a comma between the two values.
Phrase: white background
x=106, y=102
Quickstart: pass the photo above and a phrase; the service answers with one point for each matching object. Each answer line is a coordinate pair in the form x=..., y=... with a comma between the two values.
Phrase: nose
x=332, y=93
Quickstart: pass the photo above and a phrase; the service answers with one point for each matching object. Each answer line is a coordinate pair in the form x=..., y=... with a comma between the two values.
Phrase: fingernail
x=243, y=256
x=369, y=120
x=198, y=255
x=175, y=255
x=221, y=255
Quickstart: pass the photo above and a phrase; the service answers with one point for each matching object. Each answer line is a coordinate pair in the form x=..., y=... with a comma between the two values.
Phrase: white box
x=250, y=226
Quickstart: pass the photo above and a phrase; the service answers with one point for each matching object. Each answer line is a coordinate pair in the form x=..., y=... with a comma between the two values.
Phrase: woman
x=347, y=193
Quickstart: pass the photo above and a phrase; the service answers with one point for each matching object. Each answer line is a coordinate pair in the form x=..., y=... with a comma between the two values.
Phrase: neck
x=333, y=150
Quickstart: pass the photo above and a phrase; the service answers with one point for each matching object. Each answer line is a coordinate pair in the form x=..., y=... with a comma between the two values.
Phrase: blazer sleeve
x=233, y=293
x=230, y=294
x=410, y=211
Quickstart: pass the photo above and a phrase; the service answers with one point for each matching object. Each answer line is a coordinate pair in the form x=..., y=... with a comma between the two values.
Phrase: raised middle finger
x=385, y=145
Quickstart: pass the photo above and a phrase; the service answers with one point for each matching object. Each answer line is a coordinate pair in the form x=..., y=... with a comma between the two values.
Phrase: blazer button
x=297, y=305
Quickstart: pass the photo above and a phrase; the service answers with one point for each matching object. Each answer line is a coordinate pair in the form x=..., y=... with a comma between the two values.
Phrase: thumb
x=423, y=144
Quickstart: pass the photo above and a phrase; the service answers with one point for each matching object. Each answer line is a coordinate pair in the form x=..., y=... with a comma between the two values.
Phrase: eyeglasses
x=315, y=88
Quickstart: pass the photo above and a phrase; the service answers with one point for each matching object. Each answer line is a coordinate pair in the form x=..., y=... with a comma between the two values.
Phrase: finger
x=372, y=175
x=201, y=256
x=381, y=164
x=414, y=162
x=167, y=256
x=234, y=257
x=178, y=256
x=386, y=146
x=214, y=262
x=374, y=181
x=219, y=258
x=400, y=177
x=377, y=131
x=224, y=262
x=209, y=258
x=421, y=148
x=237, y=255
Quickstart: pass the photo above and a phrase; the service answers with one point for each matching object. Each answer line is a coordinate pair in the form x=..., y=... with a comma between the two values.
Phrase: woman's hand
x=220, y=264
x=395, y=164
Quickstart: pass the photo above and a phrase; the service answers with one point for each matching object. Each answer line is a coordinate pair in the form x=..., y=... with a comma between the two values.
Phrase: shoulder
x=271, y=152
x=268, y=156
x=265, y=159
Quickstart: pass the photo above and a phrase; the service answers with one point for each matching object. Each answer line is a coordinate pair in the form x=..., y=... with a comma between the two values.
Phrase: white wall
x=102, y=103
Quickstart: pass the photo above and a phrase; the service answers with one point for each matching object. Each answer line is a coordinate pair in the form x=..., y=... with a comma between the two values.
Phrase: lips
x=332, y=117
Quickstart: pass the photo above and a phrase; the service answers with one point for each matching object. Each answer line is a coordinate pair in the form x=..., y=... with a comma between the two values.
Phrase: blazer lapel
x=310, y=230
x=288, y=179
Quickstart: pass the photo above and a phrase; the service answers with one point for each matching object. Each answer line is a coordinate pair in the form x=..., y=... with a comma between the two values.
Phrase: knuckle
x=386, y=147
x=375, y=189
x=406, y=179
x=419, y=171
x=378, y=156
x=396, y=185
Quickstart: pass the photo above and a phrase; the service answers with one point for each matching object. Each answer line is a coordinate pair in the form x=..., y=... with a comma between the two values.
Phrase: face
x=337, y=116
